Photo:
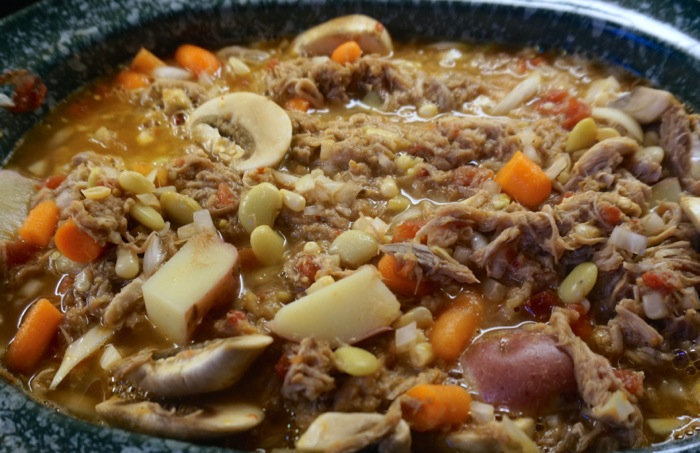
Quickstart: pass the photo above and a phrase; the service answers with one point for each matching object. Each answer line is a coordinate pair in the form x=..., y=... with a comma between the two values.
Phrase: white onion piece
x=64, y=199
x=560, y=164
x=628, y=240
x=478, y=241
x=154, y=255
x=203, y=221
x=619, y=117
x=406, y=336
x=521, y=93
x=691, y=208
x=654, y=305
x=491, y=187
x=482, y=412
x=171, y=73
x=5, y=101
x=79, y=350
x=493, y=290
x=652, y=224
x=518, y=436
x=110, y=357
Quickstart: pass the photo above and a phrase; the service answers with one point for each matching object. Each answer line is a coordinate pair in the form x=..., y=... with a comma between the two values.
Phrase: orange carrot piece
x=39, y=226
x=436, y=406
x=524, y=180
x=132, y=80
x=407, y=230
x=197, y=60
x=145, y=62
x=348, y=52
x=400, y=284
x=33, y=337
x=300, y=104
x=76, y=244
x=455, y=327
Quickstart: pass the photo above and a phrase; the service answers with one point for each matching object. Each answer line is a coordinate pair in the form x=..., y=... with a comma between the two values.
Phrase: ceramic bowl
x=70, y=42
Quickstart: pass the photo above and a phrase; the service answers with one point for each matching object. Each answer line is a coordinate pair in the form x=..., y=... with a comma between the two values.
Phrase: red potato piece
x=519, y=369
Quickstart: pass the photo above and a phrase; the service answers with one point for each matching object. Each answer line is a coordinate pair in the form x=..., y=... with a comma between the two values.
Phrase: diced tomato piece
x=54, y=181
x=407, y=230
x=224, y=196
x=633, y=382
x=611, y=214
x=576, y=110
x=582, y=327
x=659, y=280
x=282, y=366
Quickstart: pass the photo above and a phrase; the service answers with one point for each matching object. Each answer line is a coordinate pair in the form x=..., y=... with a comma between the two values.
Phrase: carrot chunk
x=524, y=180
x=455, y=327
x=348, y=52
x=40, y=224
x=145, y=62
x=132, y=80
x=399, y=283
x=299, y=104
x=407, y=230
x=197, y=59
x=33, y=337
x=436, y=407
x=76, y=244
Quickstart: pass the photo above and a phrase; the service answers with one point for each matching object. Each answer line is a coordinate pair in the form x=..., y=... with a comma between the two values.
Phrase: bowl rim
x=62, y=432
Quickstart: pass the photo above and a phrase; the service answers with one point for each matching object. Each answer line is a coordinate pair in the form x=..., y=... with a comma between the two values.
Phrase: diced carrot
x=299, y=104
x=145, y=62
x=524, y=180
x=407, y=230
x=197, y=59
x=633, y=382
x=54, y=181
x=348, y=52
x=455, y=327
x=398, y=282
x=76, y=244
x=132, y=80
x=39, y=226
x=33, y=337
x=436, y=407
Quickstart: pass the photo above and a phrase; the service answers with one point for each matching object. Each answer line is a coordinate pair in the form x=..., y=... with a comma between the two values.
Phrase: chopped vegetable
x=399, y=283
x=621, y=118
x=33, y=337
x=348, y=52
x=79, y=350
x=625, y=239
x=40, y=225
x=132, y=80
x=15, y=190
x=434, y=407
x=583, y=135
x=145, y=62
x=179, y=294
x=345, y=311
x=297, y=103
x=578, y=283
x=197, y=59
x=407, y=230
x=75, y=244
x=455, y=327
x=524, y=180
x=521, y=93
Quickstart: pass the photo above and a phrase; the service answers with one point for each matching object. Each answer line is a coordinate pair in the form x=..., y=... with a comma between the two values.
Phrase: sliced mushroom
x=370, y=34
x=644, y=104
x=201, y=422
x=353, y=431
x=203, y=368
x=245, y=129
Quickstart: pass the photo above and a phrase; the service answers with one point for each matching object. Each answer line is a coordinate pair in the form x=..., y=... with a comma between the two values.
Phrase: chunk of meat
x=308, y=375
x=680, y=142
x=604, y=156
x=519, y=369
x=429, y=264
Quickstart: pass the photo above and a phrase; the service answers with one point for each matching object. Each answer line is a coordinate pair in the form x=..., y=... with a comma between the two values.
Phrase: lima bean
x=259, y=206
x=580, y=281
x=355, y=247
x=355, y=361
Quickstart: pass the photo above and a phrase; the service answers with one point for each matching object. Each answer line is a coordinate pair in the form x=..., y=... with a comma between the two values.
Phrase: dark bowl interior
x=70, y=42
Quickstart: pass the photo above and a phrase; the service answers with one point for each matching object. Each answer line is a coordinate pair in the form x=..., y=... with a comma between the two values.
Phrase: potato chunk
x=343, y=312
x=181, y=292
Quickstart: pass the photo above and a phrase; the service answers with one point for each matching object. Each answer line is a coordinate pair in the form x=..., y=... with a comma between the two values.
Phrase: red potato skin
x=520, y=370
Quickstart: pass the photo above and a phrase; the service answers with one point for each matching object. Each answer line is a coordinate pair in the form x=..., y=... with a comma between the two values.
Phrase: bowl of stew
x=350, y=226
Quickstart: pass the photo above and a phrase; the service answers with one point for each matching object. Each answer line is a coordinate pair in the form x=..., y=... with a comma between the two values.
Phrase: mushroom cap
x=368, y=33
x=201, y=422
x=251, y=123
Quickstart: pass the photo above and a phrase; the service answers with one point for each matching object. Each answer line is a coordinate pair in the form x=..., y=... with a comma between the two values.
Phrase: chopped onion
x=652, y=224
x=110, y=357
x=153, y=256
x=79, y=350
x=406, y=336
x=64, y=199
x=5, y=101
x=521, y=93
x=482, y=412
x=493, y=290
x=491, y=187
x=628, y=240
x=203, y=221
x=691, y=208
x=560, y=164
x=171, y=72
x=478, y=241
x=518, y=436
x=619, y=117
x=654, y=305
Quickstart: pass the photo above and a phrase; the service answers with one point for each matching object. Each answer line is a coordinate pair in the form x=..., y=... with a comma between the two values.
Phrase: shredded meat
x=308, y=375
